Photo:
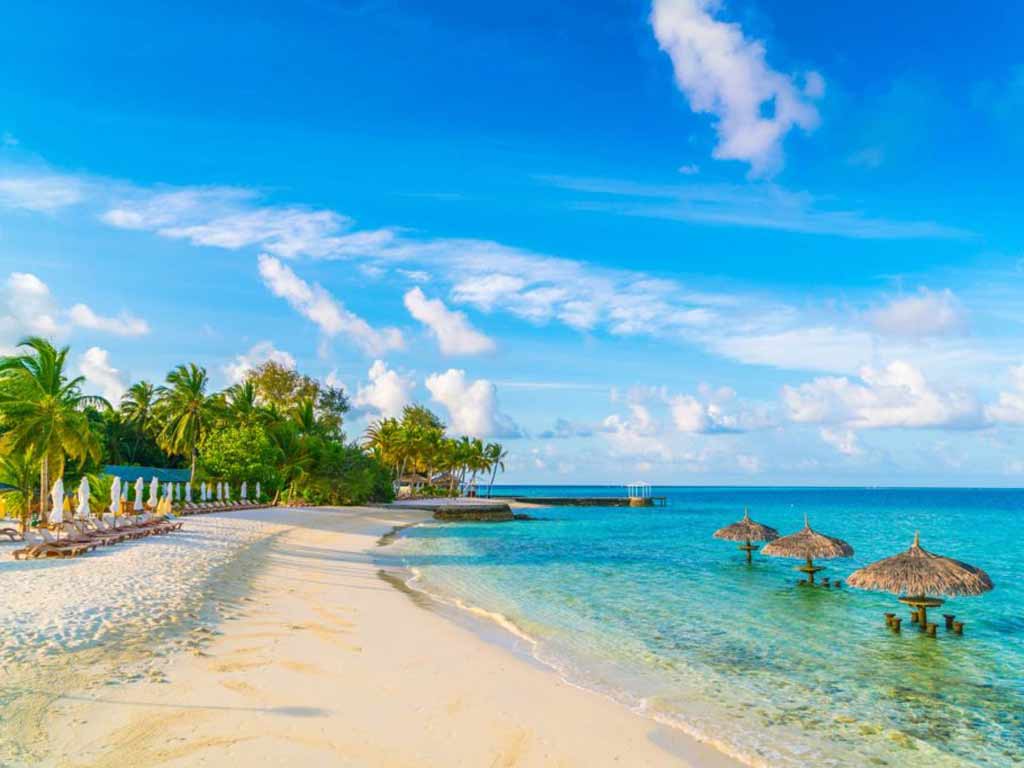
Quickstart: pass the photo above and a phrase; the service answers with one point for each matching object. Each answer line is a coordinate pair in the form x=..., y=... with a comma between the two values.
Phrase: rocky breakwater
x=484, y=512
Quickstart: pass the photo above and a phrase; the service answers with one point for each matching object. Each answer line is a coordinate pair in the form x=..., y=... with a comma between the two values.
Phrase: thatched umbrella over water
x=747, y=531
x=918, y=573
x=808, y=544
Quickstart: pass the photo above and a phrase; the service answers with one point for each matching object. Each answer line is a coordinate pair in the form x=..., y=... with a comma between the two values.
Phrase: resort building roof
x=131, y=474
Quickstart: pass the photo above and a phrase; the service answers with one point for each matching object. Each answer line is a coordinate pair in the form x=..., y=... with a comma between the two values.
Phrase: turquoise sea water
x=644, y=605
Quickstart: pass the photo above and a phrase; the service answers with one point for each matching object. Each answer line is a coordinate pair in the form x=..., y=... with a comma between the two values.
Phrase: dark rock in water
x=482, y=513
x=523, y=516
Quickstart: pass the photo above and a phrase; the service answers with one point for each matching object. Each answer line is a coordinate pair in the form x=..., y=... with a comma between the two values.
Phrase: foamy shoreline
x=319, y=661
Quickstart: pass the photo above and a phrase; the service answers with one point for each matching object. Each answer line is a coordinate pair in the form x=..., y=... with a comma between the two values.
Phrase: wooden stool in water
x=958, y=627
x=931, y=628
x=914, y=616
x=949, y=619
x=888, y=619
x=896, y=621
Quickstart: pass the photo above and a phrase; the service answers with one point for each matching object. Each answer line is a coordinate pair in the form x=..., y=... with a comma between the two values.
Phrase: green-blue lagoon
x=645, y=606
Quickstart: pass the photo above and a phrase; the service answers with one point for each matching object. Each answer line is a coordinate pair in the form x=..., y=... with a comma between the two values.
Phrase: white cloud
x=895, y=396
x=227, y=217
x=472, y=405
x=414, y=275
x=822, y=348
x=928, y=313
x=1009, y=408
x=725, y=74
x=122, y=325
x=43, y=194
x=843, y=440
x=488, y=290
x=101, y=375
x=316, y=304
x=387, y=392
x=453, y=331
x=28, y=308
x=755, y=206
x=259, y=353
x=689, y=169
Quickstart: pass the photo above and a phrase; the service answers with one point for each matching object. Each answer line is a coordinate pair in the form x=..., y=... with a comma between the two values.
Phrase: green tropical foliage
x=42, y=410
x=276, y=426
x=185, y=412
x=417, y=451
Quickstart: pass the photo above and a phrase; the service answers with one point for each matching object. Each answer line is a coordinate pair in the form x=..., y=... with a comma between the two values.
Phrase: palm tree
x=43, y=410
x=241, y=404
x=496, y=456
x=19, y=471
x=294, y=455
x=137, y=406
x=185, y=411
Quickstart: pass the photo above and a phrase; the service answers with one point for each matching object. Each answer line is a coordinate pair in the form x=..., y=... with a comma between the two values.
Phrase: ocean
x=643, y=605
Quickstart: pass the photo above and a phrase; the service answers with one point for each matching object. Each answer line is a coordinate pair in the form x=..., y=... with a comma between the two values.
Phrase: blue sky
x=680, y=241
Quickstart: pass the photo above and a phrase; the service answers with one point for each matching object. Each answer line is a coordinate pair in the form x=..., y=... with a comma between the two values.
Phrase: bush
x=240, y=453
x=344, y=474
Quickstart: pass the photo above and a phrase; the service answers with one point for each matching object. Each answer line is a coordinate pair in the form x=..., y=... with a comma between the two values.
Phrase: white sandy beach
x=298, y=651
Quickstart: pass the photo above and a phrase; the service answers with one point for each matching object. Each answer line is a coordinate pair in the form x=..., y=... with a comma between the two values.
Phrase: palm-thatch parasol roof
x=920, y=572
x=747, y=530
x=808, y=544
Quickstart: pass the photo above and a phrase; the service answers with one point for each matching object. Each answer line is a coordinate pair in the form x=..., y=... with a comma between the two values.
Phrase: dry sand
x=323, y=660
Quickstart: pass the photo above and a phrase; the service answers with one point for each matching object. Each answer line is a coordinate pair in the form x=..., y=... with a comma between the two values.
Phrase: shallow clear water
x=645, y=605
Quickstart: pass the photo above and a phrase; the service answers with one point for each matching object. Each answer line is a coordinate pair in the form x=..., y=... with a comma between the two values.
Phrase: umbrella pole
x=748, y=548
x=810, y=569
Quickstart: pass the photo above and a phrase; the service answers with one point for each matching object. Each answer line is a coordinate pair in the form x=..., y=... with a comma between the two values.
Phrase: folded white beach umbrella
x=154, y=491
x=57, y=497
x=257, y=490
x=139, y=485
x=188, y=492
x=178, y=487
x=124, y=492
x=227, y=491
x=115, y=496
x=220, y=492
x=83, y=497
x=241, y=492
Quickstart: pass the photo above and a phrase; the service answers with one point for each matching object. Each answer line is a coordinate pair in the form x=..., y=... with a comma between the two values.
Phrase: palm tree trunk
x=44, y=483
x=490, y=485
x=192, y=472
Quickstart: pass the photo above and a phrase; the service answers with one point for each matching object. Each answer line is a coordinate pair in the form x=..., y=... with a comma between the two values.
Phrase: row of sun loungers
x=77, y=537
x=197, y=508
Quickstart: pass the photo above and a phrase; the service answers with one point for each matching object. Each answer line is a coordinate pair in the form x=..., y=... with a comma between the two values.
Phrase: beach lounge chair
x=124, y=525
x=85, y=531
x=38, y=546
x=49, y=538
x=12, y=533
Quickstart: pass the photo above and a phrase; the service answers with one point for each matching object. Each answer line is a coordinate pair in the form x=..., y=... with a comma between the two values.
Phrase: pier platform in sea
x=594, y=501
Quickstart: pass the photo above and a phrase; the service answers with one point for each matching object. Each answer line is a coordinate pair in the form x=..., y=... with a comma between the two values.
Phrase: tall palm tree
x=185, y=411
x=496, y=456
x=42, y=410
x=137, y=409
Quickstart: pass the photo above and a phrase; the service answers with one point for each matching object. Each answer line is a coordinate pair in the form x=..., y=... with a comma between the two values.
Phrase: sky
x=680, y=241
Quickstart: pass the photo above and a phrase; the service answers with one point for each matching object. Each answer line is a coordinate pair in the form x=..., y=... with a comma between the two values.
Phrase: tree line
x=277, y=426
x=416, y=448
